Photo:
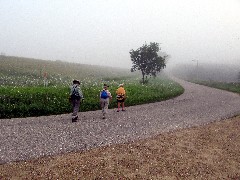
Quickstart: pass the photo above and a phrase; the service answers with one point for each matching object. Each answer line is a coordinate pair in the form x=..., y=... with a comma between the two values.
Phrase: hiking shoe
x=74, y=119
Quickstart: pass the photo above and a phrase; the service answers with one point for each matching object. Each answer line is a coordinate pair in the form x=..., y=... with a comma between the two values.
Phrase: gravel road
x=33, y=137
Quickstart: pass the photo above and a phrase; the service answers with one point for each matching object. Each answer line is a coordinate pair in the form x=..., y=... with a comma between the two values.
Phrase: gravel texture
x=33, y=137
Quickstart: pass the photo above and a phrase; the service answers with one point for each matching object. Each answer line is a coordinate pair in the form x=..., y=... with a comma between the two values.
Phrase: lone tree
x=147, y=60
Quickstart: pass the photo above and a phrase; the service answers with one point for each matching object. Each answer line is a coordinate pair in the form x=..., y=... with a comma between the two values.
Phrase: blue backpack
x=104, y=94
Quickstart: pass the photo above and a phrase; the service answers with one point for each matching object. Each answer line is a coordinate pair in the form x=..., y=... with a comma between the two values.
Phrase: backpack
x=75, y=94
x=104, y=94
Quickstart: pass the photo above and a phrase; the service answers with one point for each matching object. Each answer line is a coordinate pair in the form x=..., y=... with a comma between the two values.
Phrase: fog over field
x=103, y=32
x=207, y=72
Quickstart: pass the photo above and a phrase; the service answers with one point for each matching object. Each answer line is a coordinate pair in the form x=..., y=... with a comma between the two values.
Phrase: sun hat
x=105, y=85
x=76, y=81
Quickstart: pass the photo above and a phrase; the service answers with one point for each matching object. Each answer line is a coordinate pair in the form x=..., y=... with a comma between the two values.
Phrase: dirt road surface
x=33, y=137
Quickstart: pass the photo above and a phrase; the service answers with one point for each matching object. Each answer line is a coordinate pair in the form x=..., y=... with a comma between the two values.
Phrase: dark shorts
x=120, y=98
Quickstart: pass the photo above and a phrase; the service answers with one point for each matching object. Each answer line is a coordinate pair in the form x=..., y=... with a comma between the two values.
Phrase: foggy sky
x=103, y=32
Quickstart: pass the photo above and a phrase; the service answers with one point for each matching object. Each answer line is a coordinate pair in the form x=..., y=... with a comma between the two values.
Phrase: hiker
x=76, y=96
x=121, y=96
x=105, y=96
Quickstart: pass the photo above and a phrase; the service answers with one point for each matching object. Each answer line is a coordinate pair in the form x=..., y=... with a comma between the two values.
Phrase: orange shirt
x=120, y=90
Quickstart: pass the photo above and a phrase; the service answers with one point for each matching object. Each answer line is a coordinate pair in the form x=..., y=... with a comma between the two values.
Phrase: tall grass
x=37, y=101
x=17, y=71
x=32, y=101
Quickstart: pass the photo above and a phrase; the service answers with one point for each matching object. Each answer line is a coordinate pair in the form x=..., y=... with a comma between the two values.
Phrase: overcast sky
x=103, y=32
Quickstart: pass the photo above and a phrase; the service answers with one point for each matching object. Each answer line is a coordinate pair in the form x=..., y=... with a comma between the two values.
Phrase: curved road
x=33, y=137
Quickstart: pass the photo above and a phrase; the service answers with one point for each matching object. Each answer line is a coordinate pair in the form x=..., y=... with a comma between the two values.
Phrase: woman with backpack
x=105, y=96
x=76, y=96
x=121, y=96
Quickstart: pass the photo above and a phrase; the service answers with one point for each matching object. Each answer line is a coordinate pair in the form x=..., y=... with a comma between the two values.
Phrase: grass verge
x=233, y=87
x=39, y=101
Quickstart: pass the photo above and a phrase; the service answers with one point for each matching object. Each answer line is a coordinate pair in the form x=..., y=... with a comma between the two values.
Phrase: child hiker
x=76, y=96
x=121, y=96
x=105, y=95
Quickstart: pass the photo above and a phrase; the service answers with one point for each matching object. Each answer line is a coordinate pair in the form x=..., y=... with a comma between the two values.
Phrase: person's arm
x=80, y=93
x=71, y=90
x=109, y=95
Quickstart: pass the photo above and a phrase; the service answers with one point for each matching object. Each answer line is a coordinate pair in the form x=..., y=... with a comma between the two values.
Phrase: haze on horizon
x=103, y=32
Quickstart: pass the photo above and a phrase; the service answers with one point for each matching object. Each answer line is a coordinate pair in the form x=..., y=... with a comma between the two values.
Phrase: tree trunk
x=143, y=75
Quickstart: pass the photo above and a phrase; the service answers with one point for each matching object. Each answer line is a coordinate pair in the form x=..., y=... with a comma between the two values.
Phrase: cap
x=105, y=85
x=76, y=81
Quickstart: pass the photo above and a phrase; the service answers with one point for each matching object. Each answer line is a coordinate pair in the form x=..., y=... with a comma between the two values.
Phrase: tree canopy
x=147, y=60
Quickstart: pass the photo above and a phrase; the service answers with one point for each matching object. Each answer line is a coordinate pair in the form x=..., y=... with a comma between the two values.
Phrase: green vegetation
x=32, y=101
x=22, y=93
x=233, y=87
x=37, y=101
x=17, y=71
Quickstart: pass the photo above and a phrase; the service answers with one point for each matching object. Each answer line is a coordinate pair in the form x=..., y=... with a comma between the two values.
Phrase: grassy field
x=22, y=93
x=31, y=101
x=18, y=71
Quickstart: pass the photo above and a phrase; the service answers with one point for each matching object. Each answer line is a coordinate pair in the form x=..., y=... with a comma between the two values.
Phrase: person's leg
x=104, y=109
x=119, y=106
x=73, y=106
x=102, y=105
x=123, y=106
x=106, y=103
x=76, y=106
x=106, y=106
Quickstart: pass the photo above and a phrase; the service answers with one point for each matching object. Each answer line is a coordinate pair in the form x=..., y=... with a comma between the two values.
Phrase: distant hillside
x=27, y=71
x=208, y=72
